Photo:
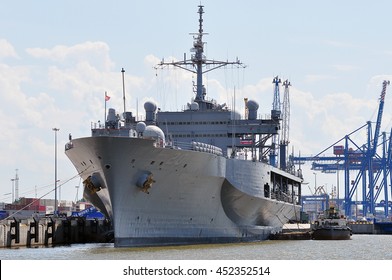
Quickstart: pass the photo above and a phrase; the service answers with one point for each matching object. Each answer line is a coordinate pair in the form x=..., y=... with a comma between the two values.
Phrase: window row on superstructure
x=197, y=135
x=194, y=123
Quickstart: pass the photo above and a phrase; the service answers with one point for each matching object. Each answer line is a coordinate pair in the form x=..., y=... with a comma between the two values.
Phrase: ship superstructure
x=196, y=176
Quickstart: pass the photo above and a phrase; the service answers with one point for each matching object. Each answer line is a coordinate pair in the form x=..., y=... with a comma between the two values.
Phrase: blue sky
x=57, y=59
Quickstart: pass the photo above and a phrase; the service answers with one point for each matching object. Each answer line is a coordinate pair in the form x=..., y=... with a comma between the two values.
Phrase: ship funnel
x=252, y=107
x=150, y=108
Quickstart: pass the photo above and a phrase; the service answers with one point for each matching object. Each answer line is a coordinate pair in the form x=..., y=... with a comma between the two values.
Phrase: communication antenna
x=123, y=71
x=199, y=64
x=16, y=185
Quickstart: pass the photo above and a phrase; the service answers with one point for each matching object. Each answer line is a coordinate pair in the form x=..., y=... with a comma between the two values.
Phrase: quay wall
x=362, y=228
x=53, y=231
x=371, y=228
x=356, y=227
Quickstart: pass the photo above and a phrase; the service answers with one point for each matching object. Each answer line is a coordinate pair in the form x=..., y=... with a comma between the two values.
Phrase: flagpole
x=105, y=110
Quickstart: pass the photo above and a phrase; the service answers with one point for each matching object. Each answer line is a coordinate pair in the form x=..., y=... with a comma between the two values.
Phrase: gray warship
x=201, y=175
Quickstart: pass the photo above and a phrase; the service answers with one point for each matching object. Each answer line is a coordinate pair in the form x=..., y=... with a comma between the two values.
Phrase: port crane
x=284, y=139
x=276, y=116
x=374, y=169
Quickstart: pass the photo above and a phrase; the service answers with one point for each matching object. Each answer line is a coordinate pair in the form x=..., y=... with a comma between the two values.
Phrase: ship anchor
x=92, y=184
x=145, y=182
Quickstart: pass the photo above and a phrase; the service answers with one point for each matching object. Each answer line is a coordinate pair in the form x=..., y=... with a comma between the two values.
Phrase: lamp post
x=55, y=169
x=13, y=187
x=77, y=194
x=315, y=192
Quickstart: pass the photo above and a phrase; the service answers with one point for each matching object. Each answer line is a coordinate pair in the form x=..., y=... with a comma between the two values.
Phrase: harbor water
x=359, y=247
x=361, y=257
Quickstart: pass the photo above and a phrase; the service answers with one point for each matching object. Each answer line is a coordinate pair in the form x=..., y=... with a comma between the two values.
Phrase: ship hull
x=331, y=234
x=194, y=197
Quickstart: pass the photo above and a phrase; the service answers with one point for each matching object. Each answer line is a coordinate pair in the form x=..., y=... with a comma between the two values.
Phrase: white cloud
x=151, y=60
x=317, y=78
x=92, y=52
x=319, y=122
x=7, y=50
x=388, y=52
x=375, y=82
x=339, y=44
x=43, y=95
x=344, y=67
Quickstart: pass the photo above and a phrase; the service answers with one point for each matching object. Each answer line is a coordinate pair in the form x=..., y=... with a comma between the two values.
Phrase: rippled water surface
x=360, y=247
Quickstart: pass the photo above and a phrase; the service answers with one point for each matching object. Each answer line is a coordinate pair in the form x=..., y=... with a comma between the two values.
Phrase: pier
x=371, y=228
x=52, y=231
x=303, y=231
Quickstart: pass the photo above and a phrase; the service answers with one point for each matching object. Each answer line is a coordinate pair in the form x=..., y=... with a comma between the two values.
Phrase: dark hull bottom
x=331, y=234
x=169, y=241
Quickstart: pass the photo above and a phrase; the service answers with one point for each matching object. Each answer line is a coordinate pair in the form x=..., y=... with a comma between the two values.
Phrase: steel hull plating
x=331, y=234
x=195, y=197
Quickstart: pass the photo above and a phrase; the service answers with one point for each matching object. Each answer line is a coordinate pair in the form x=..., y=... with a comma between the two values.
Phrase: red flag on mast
x=107, y=97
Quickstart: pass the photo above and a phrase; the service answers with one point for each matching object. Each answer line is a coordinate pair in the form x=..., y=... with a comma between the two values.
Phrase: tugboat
x=331, y=226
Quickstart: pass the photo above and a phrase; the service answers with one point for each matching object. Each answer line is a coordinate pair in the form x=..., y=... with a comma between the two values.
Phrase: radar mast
x=198, y=62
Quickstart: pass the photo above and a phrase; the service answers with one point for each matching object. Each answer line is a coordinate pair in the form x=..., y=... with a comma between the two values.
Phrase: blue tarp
x=3, y=214
x=89, y=213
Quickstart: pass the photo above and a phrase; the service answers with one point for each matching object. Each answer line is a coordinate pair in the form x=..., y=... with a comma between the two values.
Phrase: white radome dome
x=150, y=106
x=194, y=106
x=154, y=132
x=140, y=127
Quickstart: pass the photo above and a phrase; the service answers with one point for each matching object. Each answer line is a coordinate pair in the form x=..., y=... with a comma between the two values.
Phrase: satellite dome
x=195, y=106
x=150, y=106
x=253, y=105
x=140, y=127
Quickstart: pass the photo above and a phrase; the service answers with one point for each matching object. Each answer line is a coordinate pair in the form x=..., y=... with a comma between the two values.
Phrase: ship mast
x=197, y=62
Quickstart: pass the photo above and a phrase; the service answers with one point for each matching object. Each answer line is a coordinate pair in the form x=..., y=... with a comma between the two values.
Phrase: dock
x=52, y=231
x=371, y=227
x=303, y=231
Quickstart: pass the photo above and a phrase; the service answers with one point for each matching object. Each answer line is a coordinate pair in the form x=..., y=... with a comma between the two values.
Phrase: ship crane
x=275, y=116
x=285, y=126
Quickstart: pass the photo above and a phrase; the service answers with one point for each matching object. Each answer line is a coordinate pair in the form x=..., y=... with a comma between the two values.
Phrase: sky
x=58, y=58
